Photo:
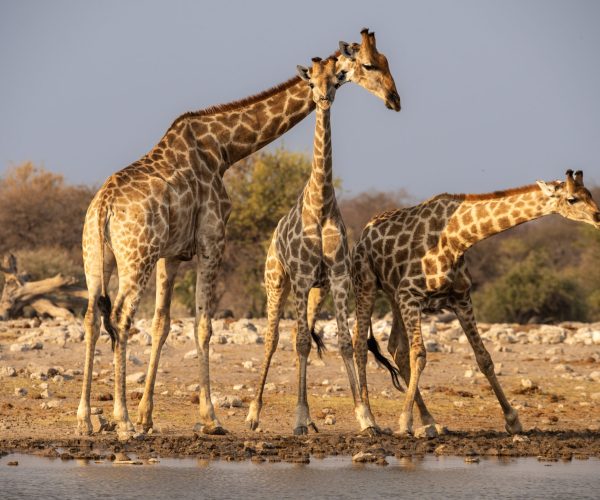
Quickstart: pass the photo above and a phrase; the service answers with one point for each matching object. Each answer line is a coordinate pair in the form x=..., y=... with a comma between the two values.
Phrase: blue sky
x=495, y=94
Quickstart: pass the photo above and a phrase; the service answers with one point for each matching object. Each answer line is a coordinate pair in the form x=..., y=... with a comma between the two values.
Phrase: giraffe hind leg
x=277, y=286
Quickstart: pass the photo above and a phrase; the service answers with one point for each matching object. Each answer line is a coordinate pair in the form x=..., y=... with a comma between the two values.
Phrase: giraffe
x=309, y=249
x=416, y=256
x=170, y=206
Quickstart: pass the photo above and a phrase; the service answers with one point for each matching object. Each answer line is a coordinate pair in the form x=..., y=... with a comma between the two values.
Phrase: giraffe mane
x=246, y=101
x=485, y=196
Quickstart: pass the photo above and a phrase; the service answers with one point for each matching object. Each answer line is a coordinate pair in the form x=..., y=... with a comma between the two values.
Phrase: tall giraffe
x=171, y=205
x=309, y=249
x=416, y=256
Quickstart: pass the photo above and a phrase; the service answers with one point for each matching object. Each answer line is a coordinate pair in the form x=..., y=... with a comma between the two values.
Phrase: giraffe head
x=324, y=78
x=572, y=200
x=370, y=69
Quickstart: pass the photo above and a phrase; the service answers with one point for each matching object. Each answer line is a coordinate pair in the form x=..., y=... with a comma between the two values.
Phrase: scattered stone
x=9, y=371
x=248, y=365
x=426, y=432
x=46, y=394
x=239, y=387
x=329, y=420
x=527, y=383
x=191, y=354
x=364, y=457
x=271, y=386
x=193, y=387
x=519, y=438
x=469, y=374
x=136, y=378
x=21, y=392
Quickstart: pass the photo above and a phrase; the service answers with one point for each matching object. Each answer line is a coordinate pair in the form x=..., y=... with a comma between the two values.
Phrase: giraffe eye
x=572, y=200
x=311, y=85
x=368, y=67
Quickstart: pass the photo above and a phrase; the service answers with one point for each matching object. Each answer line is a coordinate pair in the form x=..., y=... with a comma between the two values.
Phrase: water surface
x=330, y=478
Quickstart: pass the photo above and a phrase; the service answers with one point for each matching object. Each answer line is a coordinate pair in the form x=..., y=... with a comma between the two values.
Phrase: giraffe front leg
x=464, y=311
x=411, y=315
x=277, y=286
x=301, y=289
x=166, y=270
x=340, y=286
x=399, y=349
x=210, y=252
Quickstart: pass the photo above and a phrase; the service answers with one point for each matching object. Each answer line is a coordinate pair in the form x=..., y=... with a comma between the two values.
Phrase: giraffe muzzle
x=393, y=101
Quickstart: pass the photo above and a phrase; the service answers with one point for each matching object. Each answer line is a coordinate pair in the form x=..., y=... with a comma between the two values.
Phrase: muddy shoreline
x=545, y=445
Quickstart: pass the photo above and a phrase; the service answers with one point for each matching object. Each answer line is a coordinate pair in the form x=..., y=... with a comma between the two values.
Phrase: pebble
x=136, y=378
x=364, y=457
x=426, y=432
x=329, y=420
x=9, y=371
x=20, y=391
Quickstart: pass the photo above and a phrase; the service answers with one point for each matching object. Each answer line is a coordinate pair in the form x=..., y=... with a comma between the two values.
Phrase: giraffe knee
x=303, y=345
x=486, y=365
x=346, y=349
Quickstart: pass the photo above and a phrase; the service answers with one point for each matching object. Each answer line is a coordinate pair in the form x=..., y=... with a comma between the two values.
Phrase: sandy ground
x=553, y=388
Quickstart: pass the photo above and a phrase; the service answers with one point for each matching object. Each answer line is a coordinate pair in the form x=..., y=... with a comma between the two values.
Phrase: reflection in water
x=331, y=478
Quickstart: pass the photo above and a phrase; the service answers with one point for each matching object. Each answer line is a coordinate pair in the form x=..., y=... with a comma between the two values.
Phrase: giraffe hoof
x=252, y=425
x=213, y=430
x=371, y=431
x=300, y=430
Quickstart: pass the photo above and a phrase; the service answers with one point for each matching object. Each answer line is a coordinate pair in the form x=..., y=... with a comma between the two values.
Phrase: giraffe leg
x=166, y=270
x=464, y=311
x=340, y=285
x=92, y=333
x=411, y=314
x=130, y=292
x=277, y=286
x=301, y=289
x=365, y=290
x=316, y=298
x=398, y=348
x=210, y=252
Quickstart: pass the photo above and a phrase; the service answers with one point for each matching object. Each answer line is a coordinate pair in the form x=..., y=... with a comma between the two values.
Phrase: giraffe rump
x=105, y=308
x=382, y=360
x=319, y=342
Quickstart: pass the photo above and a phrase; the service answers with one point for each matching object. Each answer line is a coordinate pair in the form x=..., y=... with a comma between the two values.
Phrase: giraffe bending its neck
x=416, y=256
x=171, y=205
x=309, y=249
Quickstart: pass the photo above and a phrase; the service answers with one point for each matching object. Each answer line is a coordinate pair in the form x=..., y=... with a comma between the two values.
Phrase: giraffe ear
x=548, y=189
x=303, y=73
x=348, y=50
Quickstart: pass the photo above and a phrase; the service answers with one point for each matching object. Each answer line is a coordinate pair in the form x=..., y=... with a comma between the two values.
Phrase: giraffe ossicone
x=416, y=256
x=170, y=206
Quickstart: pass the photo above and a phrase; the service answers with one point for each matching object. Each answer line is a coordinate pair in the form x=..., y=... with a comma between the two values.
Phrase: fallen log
x=55, y=297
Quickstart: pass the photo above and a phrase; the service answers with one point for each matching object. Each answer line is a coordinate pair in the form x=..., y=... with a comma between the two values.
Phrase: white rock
x=9, y=371
x=595, y=376
x=498, y=368
x=426, y=432
x=527, y=383
x=193, y=387
x=271, y=386
x=46, y=394
x=19, y=347
x=190, y=354
x=239, y=387
x=248, y=365
x=329, y=420
x=469, y=374
x=596, y=337
x=136, y=378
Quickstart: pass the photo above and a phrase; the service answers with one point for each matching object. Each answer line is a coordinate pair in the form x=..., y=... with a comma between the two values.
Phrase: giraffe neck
x=236, y=130
x=478, y=218
x=319, y=189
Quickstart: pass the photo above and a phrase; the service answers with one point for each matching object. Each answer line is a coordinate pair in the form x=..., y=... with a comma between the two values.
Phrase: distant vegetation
x=542, y=271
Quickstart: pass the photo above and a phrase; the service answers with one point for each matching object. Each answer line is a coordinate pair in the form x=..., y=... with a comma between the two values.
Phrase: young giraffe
x=416, y=256
x=171, y=205
x=309, y=249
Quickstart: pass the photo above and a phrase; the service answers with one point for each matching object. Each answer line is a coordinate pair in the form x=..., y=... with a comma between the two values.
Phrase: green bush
x=531, y=291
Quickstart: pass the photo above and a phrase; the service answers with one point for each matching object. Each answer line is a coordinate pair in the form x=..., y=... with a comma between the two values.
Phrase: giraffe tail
x=319, y=341
x=373, y=346
x=105, y=309
x=103, y=302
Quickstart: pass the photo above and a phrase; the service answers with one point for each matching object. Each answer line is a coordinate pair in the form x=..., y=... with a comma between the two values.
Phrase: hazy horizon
x=494, y=94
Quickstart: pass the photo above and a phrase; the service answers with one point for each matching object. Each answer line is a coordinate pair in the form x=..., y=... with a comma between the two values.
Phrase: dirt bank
x=551, y=376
